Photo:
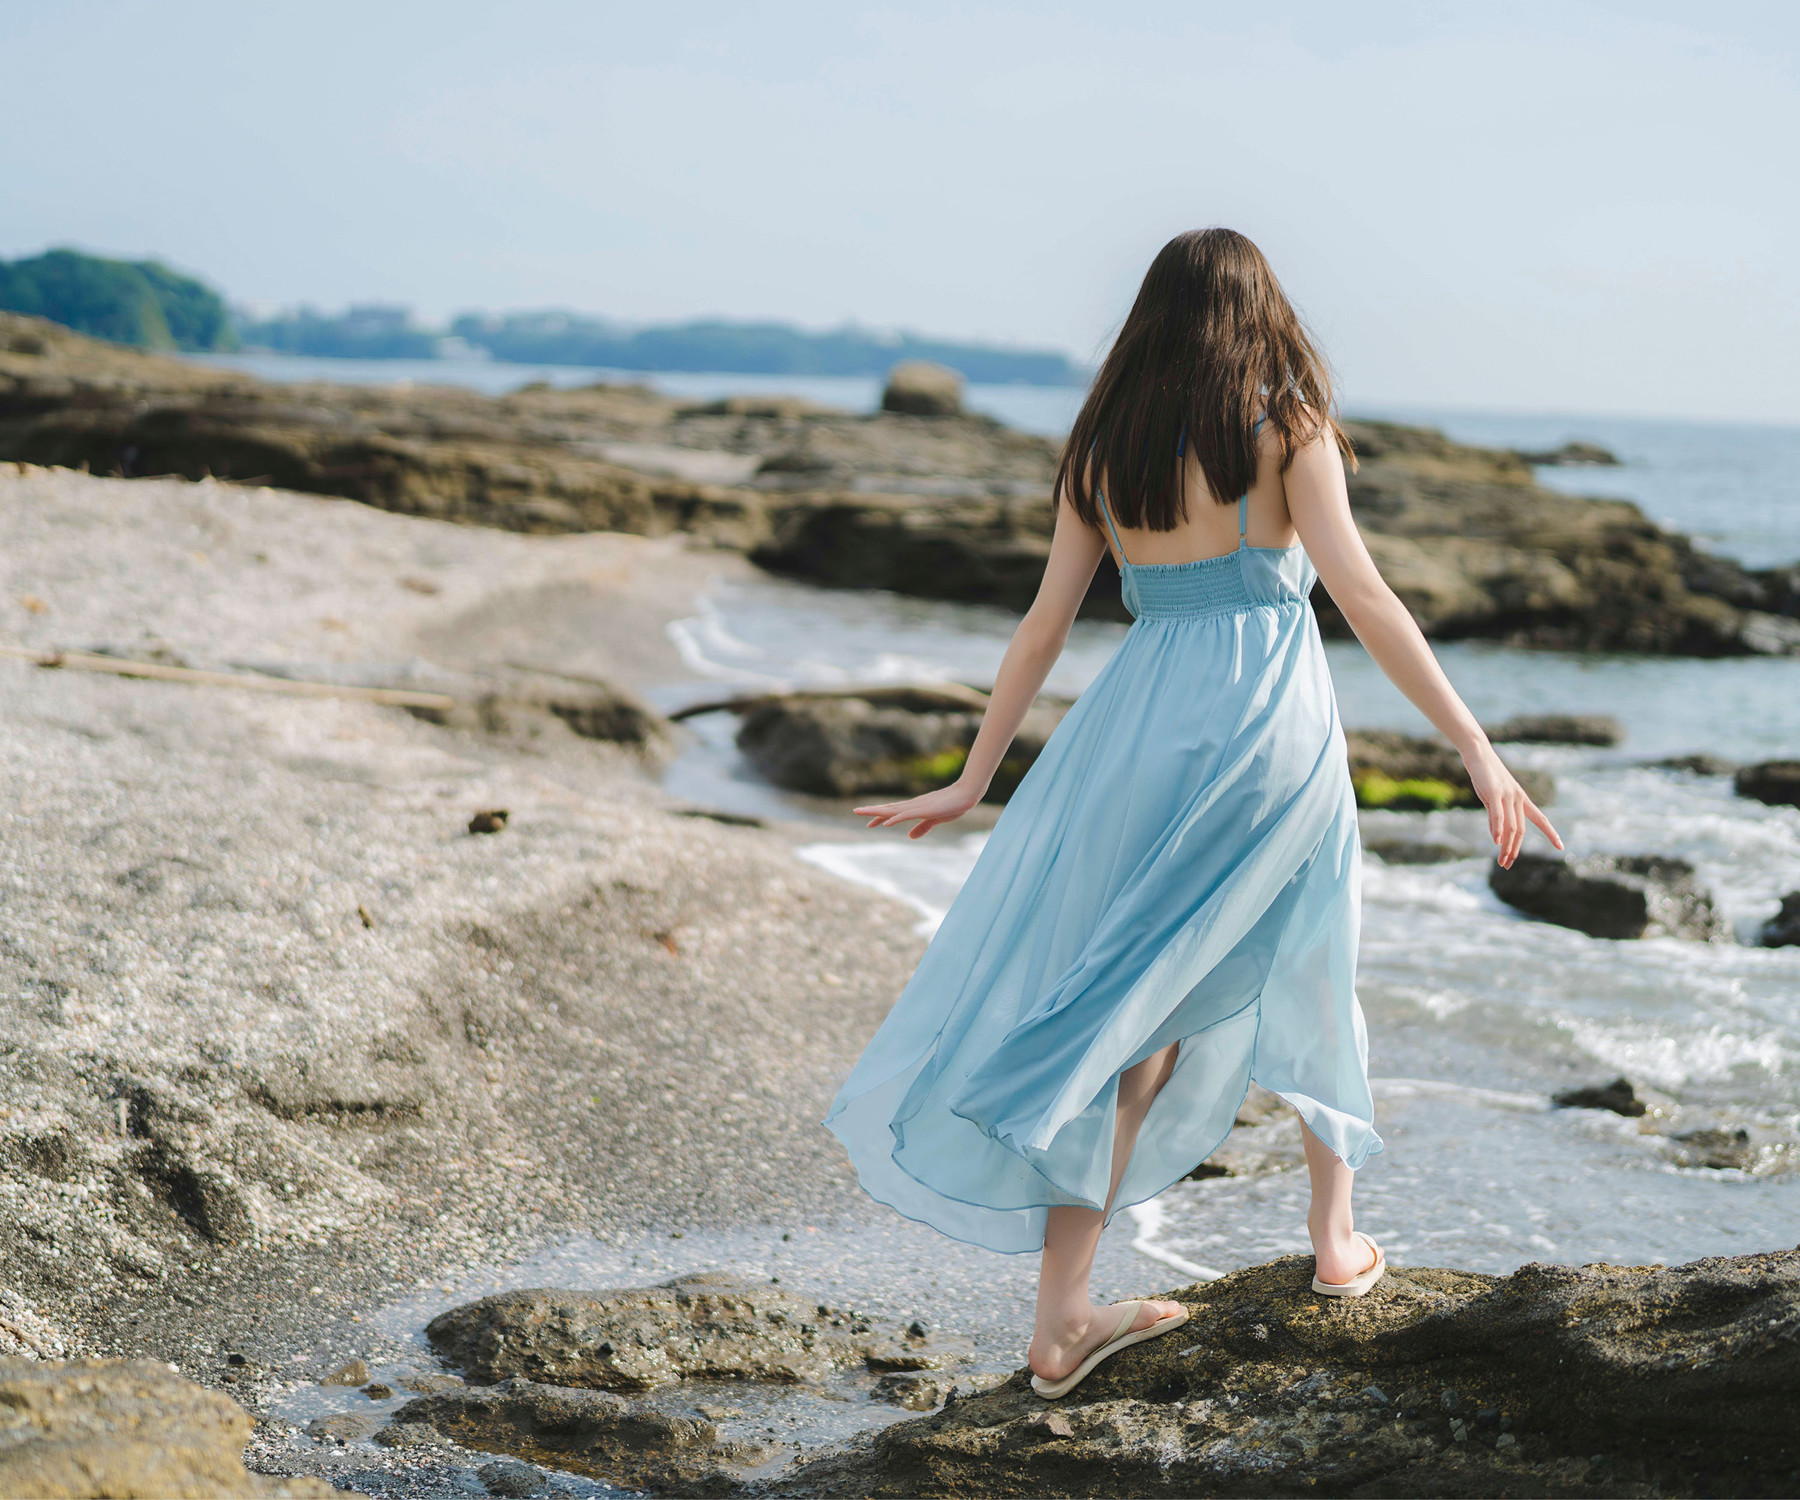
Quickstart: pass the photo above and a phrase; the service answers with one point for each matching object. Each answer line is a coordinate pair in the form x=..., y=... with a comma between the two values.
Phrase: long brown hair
x=1211, y=344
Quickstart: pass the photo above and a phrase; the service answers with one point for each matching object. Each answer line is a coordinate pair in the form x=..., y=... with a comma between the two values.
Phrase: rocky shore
x=923, y=500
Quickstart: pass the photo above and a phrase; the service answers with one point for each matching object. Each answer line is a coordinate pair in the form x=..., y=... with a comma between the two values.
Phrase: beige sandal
x=1123, y=1338
x=1356, y=1286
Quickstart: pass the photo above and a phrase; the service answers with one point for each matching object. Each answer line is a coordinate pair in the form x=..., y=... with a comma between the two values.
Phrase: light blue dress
x=1181, y=864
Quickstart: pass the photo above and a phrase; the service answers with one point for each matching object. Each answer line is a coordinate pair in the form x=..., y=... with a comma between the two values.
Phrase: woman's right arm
x=1319, y=503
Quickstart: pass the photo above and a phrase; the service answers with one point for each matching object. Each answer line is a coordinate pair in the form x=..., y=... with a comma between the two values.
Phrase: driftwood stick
x=949, y=695
x=88, y=661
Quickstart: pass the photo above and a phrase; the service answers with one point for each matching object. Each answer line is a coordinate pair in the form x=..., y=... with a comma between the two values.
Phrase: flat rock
x=596, y=1433
x=1776, y=782
x=1611, y=896
x=1699, y=763
x=1555, y=1380
x=706, y=1325
x=1618, y=1096
x=1559, y=729
x=1415, y=851
x=126, y=1428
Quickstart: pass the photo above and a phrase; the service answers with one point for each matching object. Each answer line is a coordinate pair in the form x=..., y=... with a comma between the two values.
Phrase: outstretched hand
x=945, y=805
x=1508, y=808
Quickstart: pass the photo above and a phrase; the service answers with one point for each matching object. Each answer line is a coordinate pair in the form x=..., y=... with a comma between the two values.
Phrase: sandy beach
x=295, y=1038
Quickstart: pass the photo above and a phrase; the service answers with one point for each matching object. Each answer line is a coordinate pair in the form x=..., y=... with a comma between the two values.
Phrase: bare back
x=1211, y=528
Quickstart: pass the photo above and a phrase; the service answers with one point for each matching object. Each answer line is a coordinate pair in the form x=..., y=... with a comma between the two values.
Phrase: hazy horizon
x=1554, y=208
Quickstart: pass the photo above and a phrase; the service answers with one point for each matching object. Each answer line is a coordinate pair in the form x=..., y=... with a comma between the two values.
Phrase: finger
x=1515, y=827
x=925, y=827
x=1535, y=813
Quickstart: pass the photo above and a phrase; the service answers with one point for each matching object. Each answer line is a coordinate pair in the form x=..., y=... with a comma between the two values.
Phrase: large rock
x=625, y=1443
x=1602, y=1380
x=1776, y=782
x=1409, y=774
x=521, y=707
x=1611, y=896
x=1783, y=929
x=706, y=1325
x=922, y=389
x=895, y=740
x=125, y=1428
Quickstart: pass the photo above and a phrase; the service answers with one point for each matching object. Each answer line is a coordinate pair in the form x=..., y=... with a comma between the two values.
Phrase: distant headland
x=146, y=304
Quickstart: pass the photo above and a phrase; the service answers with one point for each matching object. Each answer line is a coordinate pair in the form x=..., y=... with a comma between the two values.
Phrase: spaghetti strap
x=1243, y=521
x=1106, y=511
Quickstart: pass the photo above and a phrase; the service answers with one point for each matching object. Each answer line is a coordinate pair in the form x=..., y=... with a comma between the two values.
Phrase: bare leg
x=1339, y=1254
x=1069, y=1326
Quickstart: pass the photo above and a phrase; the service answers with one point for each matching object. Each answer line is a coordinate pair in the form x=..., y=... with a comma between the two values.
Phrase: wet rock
x=1776, y=782
x=1618, y=1096
x=343, y=1427
x=914, y=1392
x=1783, y=929
x=596, y=1433
x=1408, y=774
x=921, y=389
x=125, y=1427
x=1716, y=1150
x=899, y=741
x=409, y=1435
x=489, y=820
x=1571, y=454
x=353, y=1371
x=511, y=1478
x=1681, y=1376
x=1611, y=896
x=430, y=1385
x=1416, y=851
x=705, y=1325
x=1559, y=729
x=376, y=1391
x=1698, y=764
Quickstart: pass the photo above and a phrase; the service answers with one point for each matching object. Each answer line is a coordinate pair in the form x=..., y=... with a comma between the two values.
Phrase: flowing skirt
x=1180, y=865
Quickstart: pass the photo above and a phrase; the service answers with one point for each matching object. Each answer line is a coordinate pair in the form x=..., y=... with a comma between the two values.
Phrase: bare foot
x=1055, y=1354
x=1342, y=1258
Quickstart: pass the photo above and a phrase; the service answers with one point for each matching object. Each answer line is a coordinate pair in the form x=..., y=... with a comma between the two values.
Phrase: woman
x=1168, y=908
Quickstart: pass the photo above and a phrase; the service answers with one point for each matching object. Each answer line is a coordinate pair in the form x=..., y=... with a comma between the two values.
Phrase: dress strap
x=1106, y=511
x=1244, y=521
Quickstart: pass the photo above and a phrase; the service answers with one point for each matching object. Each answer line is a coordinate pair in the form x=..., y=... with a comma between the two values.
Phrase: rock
x=1783, y=929
x=1611, y=896
x=1415, y=851
x=921, y=389
x=1776, y=782
x=490, y=820
x=1681, y=1376
x=376, y=1391
x=354, y=1371
x=409, y=1435
x=1716, y=1150
x=1698, y=764
x=522, y=708
x=510, y=1477
x=1588, y=454
x=896, y=741
x=1407, y=774
x=1559, y=729
x=126, y=1428
x=705, y=1325
x=342, y=1427
x=914, y=1392
x=595, y=1433
x=430, y=1385
x=1618, y=1096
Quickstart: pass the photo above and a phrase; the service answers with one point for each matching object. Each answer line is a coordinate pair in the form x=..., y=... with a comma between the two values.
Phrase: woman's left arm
x=1074, y=554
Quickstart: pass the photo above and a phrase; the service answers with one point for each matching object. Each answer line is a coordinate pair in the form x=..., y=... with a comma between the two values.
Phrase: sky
x=1577, y=206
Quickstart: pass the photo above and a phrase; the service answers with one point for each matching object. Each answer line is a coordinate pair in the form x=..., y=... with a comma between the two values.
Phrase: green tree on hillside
x=128, y=302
